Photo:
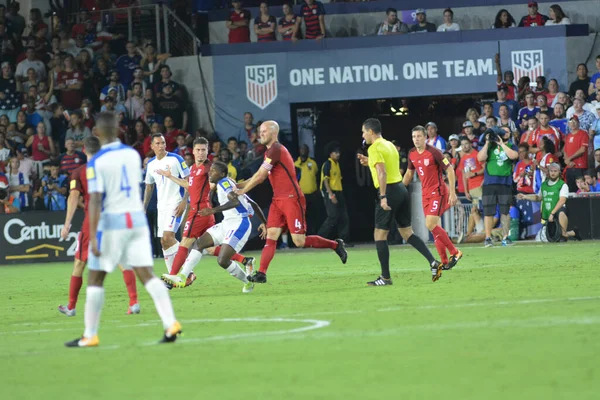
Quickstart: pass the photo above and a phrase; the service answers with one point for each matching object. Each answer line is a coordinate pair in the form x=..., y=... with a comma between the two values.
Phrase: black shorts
x=493, y=195
x=399, y=201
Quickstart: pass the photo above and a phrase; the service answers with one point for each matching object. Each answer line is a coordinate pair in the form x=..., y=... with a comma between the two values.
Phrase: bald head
x=269, y=131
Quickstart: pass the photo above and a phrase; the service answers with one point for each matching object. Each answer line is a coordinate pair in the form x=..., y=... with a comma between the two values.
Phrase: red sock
x=238, y=257
x=319, y=242
x=267, y=255
x=441, y=249
x=217, y=251
x=129, y=278
x=74, y=288
x=179, y=260
x=443, y=235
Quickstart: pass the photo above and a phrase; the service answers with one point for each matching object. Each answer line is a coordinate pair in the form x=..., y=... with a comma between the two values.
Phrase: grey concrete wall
x=341, y=25
x=582, y=50
x=186, y=71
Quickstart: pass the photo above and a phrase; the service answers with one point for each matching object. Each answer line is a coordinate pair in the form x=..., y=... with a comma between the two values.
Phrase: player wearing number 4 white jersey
x=119, y=232
x=171, y=198
x=233, y=232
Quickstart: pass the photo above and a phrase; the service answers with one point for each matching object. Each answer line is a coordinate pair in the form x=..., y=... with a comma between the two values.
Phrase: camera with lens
x=491, y=135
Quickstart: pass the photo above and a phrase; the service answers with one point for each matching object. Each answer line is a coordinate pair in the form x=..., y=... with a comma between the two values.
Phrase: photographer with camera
x=499, y=153
x=53, y=190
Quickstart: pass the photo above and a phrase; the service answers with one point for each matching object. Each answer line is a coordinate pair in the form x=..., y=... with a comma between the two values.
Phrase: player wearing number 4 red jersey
x=79, y=187
x=430, y=165
x=288, y=207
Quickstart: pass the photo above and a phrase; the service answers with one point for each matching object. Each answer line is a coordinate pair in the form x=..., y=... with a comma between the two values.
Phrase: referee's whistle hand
x=364, y=160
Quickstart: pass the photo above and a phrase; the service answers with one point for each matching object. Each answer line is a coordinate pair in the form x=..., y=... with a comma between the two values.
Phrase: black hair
x=373, y=124
x=92, y=144
x=200, y=140
x=221, y=167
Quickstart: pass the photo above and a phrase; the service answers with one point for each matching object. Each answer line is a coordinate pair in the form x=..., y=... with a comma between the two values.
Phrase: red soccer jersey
x=241, y=34
x=282, y=172
x=71, y=99
x=469, y=163
x=430, y=166
x=199, y=186
x=573, y=142
x=79, y=183
x=551, y=133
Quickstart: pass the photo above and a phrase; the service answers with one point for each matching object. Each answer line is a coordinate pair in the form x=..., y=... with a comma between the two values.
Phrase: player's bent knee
x=299, y=240
x=406, y=233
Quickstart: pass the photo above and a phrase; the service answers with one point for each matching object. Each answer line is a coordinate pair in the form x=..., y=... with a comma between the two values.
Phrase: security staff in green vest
x=553, y=195
x=333, y=195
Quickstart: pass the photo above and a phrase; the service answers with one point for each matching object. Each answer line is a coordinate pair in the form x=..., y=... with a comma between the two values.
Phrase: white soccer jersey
x=116, y=172
x=169, y=194
x=244, y=209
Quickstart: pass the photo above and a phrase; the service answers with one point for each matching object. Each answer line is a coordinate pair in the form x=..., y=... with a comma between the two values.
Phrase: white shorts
x=168, y=222
x=125, y=247
x=234, y=232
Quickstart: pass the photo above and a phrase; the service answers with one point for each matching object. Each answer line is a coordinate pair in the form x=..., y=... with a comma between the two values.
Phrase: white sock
x=235, y=271
x=93, y=308
x=169, y=255
x=162, y=301
x=284, y=238
x=191, y=261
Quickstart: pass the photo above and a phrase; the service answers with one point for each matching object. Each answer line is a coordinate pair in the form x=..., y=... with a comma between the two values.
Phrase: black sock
x=418, y=244
x=383, y=252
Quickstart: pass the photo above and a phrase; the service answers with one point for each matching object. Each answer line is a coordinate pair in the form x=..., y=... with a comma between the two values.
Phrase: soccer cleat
x=507, y=242
x=190, y=279
x=171, y=333
x=84, y=342
x=340, y=250
x=259, y=277
x=436, y=270
x=134, y=309
x=248, y=287
x=249, y=264
x=488, y=242
x=453, y=261
x=381, y=281
x=177, y=281
x=65, y=310
x=577, y=236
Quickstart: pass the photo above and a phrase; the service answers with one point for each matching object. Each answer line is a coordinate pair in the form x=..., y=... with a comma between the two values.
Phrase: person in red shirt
x=78, y=187
x=238, y=24
x=313, y=14
x=69, y=83
x=524, y=171
x=265, y=25
x=473, y=172
x=545, y=130
x=430, y=164
x=575, y=153
x=289, y=24
x=533, y=18
x=288, y=207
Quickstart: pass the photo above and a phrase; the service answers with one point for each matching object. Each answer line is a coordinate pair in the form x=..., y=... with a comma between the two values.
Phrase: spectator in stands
x=468, y=131
x=596, y=158
x=4, y=149
x=524, y=171
x=226, y=157
x=546, y=157
x=72, y=158
x=523, y=87
x=135, y=103
x=422, y=25
x=392, y=25
x=313, y=15
x=78, y=132
x=595, y=133
x=575, y=152
x=70, y=82
x=505, y=121
x=127, y=63
x=59, y=126
x=138, y=77
x=473, y=171
x=32, y=80
x=547, y=131
x=502, y=99
x=540, y=86
x=19, y=184
x=542, y=104
x=170, y=133
x=79, y=26
x=42, y=146
x=589, y=178
x=8, y=203
x=530, y=135
x=245, y=132
x=9, y=96
x=151, y=63
x=26, y=164
x=21, y=131
x=559, y=119
x=449, y=24
x=582, y=82
x=488, y=111
x=181, y=148
x=504, y=20
x=238, y=23
x=149, y=116
x=473, y=117
x=111, y=105
x=166, y=74
x=533, y=18
x=289, y=24
x=490, y=122
x=552, y=92
x=141, y=132
x=33, y=116
x=562, y=98
x=17, y=21
x=529, y=111
x=433, y=139
x=114, y=84
x=584, y=117
x=53, y=190
x=557, y=16
x=172, y=106
x=30, y=62
x=87, y=112
x=593, y=80
x=308, y=185
x=264, y=25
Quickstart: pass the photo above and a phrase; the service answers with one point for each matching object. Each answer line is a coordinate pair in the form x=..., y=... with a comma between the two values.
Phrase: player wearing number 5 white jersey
x=119, y=232
x=171, y=198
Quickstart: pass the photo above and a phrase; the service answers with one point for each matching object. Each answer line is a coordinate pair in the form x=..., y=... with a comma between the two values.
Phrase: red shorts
x=436, y=205
x=83, y=241
x=195, y=226
x=288, y=212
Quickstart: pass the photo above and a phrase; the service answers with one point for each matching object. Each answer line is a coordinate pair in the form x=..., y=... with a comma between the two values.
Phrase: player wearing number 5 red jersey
x=79, y=187
x=288, y=207
x=430, y=165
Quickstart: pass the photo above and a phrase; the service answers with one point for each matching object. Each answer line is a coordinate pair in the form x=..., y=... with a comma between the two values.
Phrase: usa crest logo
x=527, y=63
x=426, y=162
x=261, y=84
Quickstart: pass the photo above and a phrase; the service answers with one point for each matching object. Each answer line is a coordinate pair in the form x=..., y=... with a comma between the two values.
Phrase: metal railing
x=180, y=40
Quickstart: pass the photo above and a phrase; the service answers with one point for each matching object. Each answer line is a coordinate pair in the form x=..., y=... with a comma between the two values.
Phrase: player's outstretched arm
x=167, y=174
x=258, y=211
x=148, y=194
x=72, y=203
x=258, y=178
x=233, y=202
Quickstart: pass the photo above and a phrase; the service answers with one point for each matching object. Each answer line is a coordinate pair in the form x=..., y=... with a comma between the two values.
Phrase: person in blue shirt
x=127, y=63
x=513, y=106
x=54, y=189
x=530, y=110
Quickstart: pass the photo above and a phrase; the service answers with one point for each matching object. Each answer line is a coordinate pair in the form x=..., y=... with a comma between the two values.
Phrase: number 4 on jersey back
x=125, y=181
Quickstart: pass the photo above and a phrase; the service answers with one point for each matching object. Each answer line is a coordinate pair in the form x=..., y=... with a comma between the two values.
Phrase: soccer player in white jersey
x=171, y=199
x=233, y=232
x=119, y=232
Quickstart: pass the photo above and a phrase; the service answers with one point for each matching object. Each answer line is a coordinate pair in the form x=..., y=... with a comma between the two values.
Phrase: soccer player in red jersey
x=197, y=184
x=288, y=207
x=79, y=188
x=430, y=165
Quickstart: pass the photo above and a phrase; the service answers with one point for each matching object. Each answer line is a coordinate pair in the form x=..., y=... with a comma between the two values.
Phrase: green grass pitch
x=507, y=323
